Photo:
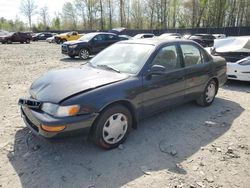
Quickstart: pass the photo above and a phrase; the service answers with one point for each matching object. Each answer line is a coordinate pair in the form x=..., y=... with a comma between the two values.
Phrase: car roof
x=156, y=41
x=202, y=34
x=144, y=34
x=102, y=33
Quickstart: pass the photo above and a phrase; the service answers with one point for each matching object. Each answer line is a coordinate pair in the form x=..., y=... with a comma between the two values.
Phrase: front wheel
x=27, y=41
x=9, y=41
x=84, y=54
x=208, y=95
x=112, y=127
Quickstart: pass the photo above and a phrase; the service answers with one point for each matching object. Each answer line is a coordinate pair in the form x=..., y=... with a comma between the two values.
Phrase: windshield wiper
x=108, y=68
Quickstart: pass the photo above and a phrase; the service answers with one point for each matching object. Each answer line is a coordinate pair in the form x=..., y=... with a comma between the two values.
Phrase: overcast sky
x=9, y=9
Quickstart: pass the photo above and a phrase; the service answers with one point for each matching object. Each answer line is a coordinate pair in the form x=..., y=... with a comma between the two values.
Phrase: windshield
x=87, y=37
x=125, y=58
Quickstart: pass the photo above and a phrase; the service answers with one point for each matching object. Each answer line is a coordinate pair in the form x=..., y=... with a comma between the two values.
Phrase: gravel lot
x=187, y=146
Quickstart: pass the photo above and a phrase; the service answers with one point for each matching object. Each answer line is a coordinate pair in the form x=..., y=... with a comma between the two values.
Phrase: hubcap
x=115, y=128
x=84, y=54
x=210, y=93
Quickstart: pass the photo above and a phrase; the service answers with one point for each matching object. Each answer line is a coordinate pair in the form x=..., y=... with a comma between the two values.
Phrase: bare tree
x=28, y=8
x=44, y=13
x=69, y=15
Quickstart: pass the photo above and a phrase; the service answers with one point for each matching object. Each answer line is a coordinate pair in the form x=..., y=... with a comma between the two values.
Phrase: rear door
x=161, y=91
x=110, y=39
x=197, y=69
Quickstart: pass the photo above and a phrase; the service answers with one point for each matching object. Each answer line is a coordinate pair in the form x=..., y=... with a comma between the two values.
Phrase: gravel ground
x=187, y=146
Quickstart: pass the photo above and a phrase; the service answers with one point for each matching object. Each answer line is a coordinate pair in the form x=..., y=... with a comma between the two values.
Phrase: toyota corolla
x=123, y=84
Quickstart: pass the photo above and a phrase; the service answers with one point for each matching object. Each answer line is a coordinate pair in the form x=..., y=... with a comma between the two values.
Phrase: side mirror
x=157, y=70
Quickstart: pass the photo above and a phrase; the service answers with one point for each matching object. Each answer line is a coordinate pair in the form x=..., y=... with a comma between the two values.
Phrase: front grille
x=31, y=103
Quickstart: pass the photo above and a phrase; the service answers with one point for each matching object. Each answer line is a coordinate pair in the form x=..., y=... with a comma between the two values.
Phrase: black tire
x=3, y=42
x=27, y=41
x=9, y=41
x=84, y=54
x=204, y=100
x=72, y=56
x=98, y=132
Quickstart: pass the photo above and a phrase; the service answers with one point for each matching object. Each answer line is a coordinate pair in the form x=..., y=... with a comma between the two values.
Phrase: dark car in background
x=123, y=84
x=16, y=37
x=205, y=40
x=89, y=44
x=41, y=36
x=124, y=37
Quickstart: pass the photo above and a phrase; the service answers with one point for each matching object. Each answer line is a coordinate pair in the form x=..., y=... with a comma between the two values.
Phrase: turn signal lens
x=74, y=110
x=54, y=128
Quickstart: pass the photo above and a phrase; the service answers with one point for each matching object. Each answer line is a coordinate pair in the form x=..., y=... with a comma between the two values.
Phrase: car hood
x=74, y=42
x=54, y=86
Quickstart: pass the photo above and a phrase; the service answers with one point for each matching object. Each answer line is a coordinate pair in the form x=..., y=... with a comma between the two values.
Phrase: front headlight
x=244, y=62
x=73, y=46
x=60, y=111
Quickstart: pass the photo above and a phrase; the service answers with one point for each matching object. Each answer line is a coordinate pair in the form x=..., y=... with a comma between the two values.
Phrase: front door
x=161, y=91
x=99, y=43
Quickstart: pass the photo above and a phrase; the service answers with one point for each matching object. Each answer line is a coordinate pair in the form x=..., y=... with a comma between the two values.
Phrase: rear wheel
x=112, y=127
x=27, y=41
x=84, y=54
x=208, y=95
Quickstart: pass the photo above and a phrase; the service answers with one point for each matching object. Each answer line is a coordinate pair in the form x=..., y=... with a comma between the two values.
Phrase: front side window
x=191, y=55
x=167, y=57
x=99, y=38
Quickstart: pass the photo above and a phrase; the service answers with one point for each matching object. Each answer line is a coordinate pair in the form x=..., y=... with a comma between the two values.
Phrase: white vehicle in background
x=143, y=35
x=186, y=36
x=219, y=36
x=236, y=51
x=50, y=39
x=170, y=36
x=240, y=70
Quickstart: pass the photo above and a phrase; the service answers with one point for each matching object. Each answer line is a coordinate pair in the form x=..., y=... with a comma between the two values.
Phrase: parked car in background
x=3, y=32
x=219, y=36
x=144, y=35
x=61, y=38
x=16, y=37
x=50, y=39
x=186, y=36
x=239, y=70
x=123, y=84
x=89, y=44
x=236, y=51
x=124, y=37
x=206, y=40
x=170, y=36
x=41, y=36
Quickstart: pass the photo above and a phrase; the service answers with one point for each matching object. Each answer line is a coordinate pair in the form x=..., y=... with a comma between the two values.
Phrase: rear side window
x=147, y=36
x=191, y=55
x=167, y=57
